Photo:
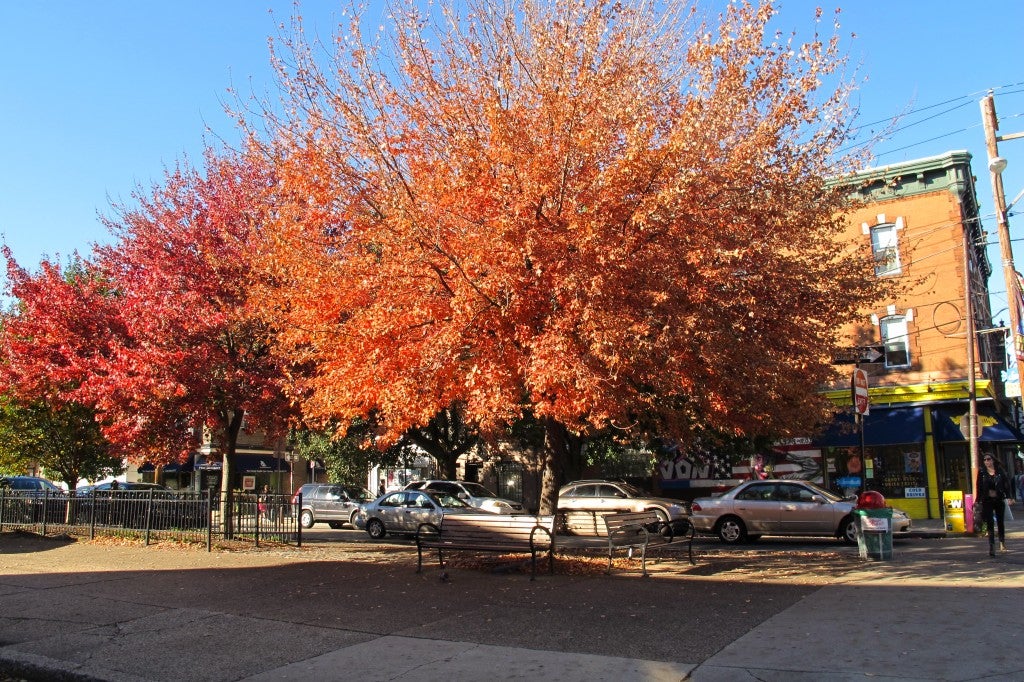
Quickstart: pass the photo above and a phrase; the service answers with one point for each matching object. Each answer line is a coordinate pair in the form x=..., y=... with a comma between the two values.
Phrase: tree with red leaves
x=62, y=324
x=161, y=338
x=195, y=352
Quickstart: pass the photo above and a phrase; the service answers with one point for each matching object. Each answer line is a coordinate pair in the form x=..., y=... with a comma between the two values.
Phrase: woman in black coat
x=994, y=491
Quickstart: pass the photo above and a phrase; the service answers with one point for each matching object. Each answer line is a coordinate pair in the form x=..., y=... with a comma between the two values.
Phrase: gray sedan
x=780, y=507
x=401, y=512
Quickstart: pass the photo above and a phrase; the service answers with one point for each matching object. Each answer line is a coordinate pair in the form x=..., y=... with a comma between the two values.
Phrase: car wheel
x=375, y=527
x=352, y=518
x=306, y=518
x=848, y=530
x=731, y=530
x=663, y=527
x=335, y=524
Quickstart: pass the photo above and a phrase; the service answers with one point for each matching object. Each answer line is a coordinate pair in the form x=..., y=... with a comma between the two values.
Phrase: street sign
x=859, y=355
x=872, y=354
x=859, y=388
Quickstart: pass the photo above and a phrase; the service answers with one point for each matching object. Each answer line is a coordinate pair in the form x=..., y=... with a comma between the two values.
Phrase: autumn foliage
x=159, y=335
x=608, y=216
x=591, y=212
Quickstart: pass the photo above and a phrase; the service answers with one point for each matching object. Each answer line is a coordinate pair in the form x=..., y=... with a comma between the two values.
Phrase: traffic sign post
x=861, y=407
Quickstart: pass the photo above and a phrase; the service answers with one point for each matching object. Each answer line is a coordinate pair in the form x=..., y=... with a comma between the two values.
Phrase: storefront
x=912, y=454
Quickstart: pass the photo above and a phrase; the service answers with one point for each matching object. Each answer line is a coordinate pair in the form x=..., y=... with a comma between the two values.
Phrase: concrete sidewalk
x=941, y=610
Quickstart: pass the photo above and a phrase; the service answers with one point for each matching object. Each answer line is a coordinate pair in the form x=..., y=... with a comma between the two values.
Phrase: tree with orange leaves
x=607, y=216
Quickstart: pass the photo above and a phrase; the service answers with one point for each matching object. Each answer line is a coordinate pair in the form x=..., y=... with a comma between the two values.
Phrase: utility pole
x=996, y=165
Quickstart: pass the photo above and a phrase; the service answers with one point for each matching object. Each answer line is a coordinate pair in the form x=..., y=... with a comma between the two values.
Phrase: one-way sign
x=862, y=354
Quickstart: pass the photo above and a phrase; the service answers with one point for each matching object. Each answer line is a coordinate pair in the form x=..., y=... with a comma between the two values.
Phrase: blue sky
x=99, y=96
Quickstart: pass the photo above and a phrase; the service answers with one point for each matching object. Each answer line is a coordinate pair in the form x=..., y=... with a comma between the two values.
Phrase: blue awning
x=882, y=426
x=167, y=468
x=947, y=419
x=248, y=463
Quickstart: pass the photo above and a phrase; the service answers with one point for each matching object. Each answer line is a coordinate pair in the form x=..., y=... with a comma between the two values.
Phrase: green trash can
x=874, y=533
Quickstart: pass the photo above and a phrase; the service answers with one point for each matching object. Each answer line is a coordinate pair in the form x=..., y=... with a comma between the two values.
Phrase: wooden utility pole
x=996, y=164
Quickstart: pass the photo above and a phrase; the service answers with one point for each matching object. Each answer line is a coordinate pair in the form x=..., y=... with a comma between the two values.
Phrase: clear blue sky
x=99, y=96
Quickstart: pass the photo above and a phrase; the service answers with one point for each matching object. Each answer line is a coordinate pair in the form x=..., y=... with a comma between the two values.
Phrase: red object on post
x=870, y=499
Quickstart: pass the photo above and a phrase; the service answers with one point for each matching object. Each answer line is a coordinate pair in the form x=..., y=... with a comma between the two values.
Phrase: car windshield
x=477, y=490
x=447, y=500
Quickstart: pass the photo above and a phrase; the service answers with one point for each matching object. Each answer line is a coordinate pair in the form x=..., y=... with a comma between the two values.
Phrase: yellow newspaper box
x=953, y=510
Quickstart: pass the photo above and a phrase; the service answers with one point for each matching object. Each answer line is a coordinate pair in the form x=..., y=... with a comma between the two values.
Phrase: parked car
x=617, y=496
x=138, y=505
x=28, y=495
x=29, y=484
x=118, y=485
x=402, y=511
x=781, y=507
x=473, y=494
x=331, y=503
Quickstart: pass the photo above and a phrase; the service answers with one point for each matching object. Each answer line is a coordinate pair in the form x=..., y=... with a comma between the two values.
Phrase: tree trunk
x=563, y=462
x=446, y=438
x=227, y=470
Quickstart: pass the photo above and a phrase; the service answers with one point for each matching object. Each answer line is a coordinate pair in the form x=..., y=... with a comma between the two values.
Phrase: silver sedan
x=781, y=507
x=402, y=511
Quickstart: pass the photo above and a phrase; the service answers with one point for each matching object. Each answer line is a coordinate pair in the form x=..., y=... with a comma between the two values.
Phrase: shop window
x=895, y=471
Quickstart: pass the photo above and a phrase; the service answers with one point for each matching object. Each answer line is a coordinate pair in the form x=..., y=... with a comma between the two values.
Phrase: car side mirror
x=463, y=496
x=818, y=498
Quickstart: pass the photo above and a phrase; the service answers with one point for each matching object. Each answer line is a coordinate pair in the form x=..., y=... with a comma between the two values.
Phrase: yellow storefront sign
x=953, y=510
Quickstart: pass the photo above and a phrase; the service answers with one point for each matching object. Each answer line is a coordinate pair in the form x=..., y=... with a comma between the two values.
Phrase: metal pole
x=972, y=392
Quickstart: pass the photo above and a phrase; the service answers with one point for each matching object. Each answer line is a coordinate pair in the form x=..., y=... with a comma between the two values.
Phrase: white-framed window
x=886, y=249
x=896, y=339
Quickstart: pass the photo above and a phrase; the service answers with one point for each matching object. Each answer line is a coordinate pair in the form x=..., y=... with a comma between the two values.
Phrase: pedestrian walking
x=994, y=491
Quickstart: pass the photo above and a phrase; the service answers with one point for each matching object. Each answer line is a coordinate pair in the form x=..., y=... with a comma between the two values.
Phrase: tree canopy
x=612, y=215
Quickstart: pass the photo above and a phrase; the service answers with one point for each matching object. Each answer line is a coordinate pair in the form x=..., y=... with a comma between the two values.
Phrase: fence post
x=209, y=519
x=149, y=513
x=46, y=507
x=257, y=540
x=295, y=517
x=92, y=514
x=3, y=503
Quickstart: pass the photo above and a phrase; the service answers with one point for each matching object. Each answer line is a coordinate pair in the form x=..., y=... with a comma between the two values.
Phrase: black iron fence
x=151, y=514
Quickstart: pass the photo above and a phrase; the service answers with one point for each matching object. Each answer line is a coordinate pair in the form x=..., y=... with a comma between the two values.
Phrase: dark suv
x=30, y=485
x=331, y=503
x=30, y=499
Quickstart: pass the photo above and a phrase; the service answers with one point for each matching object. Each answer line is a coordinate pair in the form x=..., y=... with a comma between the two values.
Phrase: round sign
x=860, y=391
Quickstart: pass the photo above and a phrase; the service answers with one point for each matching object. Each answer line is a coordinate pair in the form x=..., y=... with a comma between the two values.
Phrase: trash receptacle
x=874, y=527
x=953, y=510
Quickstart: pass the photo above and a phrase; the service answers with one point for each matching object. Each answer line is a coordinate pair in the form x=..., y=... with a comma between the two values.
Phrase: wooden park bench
x=511, y=533
x=623, y=530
